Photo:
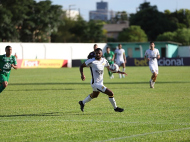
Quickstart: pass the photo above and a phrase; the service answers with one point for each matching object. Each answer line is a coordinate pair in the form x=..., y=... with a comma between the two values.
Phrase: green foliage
x=152, y=21
x=79, y=31
x=180, y=35
x=28, y=21
x=132, y=34
x=183, y=36
x=41, y=105
x=167, y=36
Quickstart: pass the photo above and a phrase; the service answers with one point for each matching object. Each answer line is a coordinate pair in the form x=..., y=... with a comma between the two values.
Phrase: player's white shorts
x=119, y=62
x=153, y=68
x=98, y=87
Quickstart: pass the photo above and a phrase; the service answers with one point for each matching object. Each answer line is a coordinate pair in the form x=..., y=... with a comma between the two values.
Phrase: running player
x=152, y=55
x=120, y=58
x=109, y=57
x=97, y=65
x=6, y=62
x=92, y=54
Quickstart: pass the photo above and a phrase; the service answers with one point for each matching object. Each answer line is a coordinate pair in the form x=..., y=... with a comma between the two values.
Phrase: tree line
x=31, y=21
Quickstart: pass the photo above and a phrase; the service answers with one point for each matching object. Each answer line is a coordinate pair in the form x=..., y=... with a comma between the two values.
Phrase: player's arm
x=113, y=57
x=14, y=66
x=117, y=71
x=124, y=57
x=146, y=56
x=81, y=71
x=122, y=72
x=158, y=56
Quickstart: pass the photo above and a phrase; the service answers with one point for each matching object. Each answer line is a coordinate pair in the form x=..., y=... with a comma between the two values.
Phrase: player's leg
x=123, y=65
x=154, y=70
x=154, y=78
x=94, y=94
x=112, y=100
x=4, y=82
x=119, y=65
x=110, y=74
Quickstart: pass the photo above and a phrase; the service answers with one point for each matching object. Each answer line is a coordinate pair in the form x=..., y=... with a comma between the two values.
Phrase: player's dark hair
x=108, y=47
x=95, y=45
x=7, y=47
x=151, y=42
x=119, y=44
x=98, y=49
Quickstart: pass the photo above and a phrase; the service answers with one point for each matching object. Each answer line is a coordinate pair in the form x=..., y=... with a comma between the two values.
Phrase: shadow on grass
x=82, y=83
x=42, y=89
x=56, y=114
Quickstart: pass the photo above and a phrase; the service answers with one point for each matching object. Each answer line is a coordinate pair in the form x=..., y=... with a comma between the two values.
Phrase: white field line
x=138, y=135
x=62, y=120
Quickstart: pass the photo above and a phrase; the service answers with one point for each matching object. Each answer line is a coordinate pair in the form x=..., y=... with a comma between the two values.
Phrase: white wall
x=184, y=51
x=67, y=51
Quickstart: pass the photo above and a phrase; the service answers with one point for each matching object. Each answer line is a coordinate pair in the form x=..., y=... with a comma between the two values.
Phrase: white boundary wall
x=184, y=51
x=66, y=51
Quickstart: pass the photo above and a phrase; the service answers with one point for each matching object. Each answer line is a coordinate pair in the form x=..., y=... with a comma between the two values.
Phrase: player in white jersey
x=152, y=55
x=97, y=65
x=120, y=58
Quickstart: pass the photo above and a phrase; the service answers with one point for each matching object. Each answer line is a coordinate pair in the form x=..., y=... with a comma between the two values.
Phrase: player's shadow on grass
x=39, y=114
x=82, y=83
x=42, y=89
x=57, y=114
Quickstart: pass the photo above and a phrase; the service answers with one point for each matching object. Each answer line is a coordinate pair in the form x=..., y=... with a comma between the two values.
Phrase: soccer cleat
x=123, y=75
x=119, y=109
x=81, y=106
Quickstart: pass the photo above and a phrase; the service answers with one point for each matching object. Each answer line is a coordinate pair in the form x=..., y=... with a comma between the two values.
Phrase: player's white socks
x=119, y=75
x=87, y=99
x=113, y=102
x=153, y=83
x=123, y=74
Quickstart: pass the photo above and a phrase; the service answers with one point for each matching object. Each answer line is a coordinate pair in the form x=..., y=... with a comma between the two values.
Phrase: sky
x=129, y=6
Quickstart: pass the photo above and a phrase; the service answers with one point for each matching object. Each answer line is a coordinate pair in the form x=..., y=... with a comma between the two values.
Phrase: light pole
x=70, y=9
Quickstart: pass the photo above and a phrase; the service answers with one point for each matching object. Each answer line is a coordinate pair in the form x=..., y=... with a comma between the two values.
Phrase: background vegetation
x=31, y=21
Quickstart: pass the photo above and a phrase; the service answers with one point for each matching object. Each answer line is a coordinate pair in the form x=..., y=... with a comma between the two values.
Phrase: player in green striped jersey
x=7, y=61
x=109, y=57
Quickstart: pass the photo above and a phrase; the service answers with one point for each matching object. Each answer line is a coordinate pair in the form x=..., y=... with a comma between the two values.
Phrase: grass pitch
x=41, y=105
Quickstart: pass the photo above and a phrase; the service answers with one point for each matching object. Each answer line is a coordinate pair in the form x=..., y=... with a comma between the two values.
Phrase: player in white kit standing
x=120, y=58
x=152, y=55
x=97, y=65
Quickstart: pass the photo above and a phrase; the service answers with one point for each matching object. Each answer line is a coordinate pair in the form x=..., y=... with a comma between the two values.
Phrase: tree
x=80, y=31
x=167, y=36
x=27, y=20
x=132, y=34
x=152, y=21
x=7, y=29
x=180, y=35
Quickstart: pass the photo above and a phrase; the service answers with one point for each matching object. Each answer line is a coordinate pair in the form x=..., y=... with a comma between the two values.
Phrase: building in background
x=113, y=30
x=72, y=14
x=101, y=12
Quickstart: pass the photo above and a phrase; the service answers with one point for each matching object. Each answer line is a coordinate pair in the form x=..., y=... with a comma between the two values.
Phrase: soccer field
x=41, y=105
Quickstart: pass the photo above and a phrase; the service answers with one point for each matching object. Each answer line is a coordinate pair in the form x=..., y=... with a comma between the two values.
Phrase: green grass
x=42, y=105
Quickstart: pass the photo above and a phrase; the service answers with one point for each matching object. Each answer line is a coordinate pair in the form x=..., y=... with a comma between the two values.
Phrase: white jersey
x=97, y=69
x=119, y=54
x=152, y=54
